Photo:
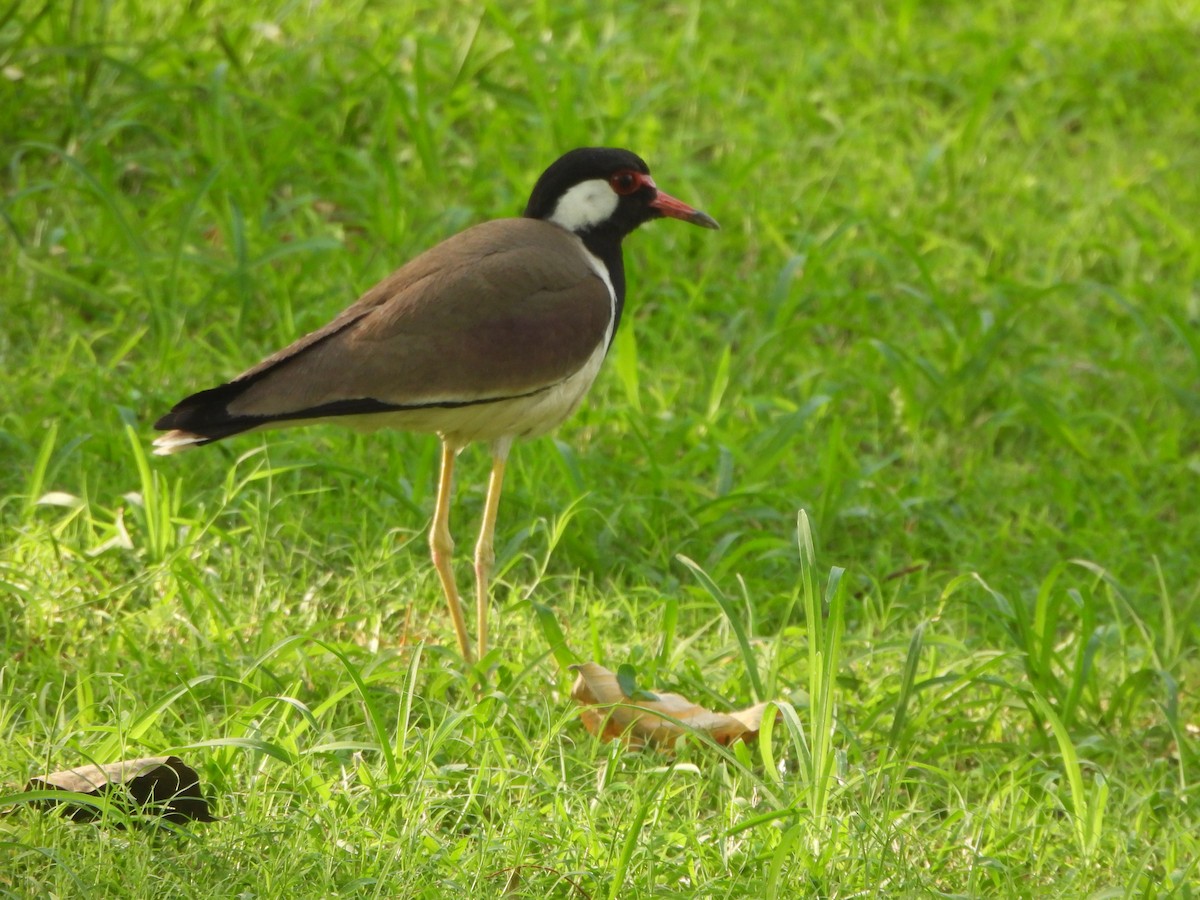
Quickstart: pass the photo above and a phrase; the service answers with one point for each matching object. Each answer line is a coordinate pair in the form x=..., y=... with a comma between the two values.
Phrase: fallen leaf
x=608, y=712
x=158, y=785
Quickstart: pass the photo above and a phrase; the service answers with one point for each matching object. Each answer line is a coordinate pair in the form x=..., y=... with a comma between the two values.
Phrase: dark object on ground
x=162, y=786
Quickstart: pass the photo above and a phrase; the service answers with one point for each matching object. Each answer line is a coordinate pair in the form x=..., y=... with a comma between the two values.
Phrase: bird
x=493, y=335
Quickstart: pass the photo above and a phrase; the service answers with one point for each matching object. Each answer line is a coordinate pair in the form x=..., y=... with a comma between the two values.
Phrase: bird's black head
x=604, y=191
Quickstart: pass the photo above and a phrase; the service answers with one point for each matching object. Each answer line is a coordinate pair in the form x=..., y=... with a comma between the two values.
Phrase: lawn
x=950, y=333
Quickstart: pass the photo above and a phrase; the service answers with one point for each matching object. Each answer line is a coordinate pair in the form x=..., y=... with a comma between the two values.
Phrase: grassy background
x=952, y=315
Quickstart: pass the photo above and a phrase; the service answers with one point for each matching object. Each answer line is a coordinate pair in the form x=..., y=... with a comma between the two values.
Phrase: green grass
x=953, y=315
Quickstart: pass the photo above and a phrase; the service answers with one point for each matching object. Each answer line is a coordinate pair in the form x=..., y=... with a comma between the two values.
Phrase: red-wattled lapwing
x=492, y=335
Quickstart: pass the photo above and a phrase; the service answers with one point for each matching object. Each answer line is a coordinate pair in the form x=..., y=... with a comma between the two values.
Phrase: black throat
x=605, y=245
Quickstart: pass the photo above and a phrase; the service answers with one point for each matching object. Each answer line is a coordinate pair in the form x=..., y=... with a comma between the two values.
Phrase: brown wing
x=506, y=308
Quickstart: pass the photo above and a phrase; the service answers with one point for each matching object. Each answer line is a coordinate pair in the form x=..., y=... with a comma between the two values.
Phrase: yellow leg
x=441, y=546
x=485, y=554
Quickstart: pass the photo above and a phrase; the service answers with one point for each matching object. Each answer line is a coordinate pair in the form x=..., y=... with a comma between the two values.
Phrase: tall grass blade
x=155, y=500
x=670, y=621
x=1087, y=807
x=824, y=658
x=781, y=856
x=37, y=475
x=374, y=717
x=553, y=633
x=633, y=832
x=735, y=622
x=907, y=679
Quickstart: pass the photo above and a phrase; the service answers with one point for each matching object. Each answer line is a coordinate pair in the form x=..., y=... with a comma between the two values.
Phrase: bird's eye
x=625, y=182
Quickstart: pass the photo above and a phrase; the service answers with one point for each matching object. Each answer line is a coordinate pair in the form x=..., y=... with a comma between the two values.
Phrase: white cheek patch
x=588, y=203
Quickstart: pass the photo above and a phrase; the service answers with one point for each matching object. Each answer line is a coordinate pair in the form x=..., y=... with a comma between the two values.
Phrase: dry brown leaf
x=608, y=713
x=160, y=785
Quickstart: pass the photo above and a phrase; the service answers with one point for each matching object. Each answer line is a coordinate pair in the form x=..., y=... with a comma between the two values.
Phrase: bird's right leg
x=441, y=546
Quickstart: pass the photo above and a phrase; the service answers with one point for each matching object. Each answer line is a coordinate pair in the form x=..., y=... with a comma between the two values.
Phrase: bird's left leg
x=485, y=554
x=441, y=546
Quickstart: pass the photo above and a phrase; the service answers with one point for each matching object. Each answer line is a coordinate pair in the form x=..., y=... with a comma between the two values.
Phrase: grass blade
x=374, y=718
x=735, y=622
x=553, y=633
x=907, y=680
x=633, y=832
x=37, y=475
x=1087, y=807
x=824, y=659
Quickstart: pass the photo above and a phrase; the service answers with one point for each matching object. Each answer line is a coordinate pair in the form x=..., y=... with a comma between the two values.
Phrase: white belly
x=520, y=417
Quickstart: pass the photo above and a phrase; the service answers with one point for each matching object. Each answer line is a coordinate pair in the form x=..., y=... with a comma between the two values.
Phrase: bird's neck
x=605, y=245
